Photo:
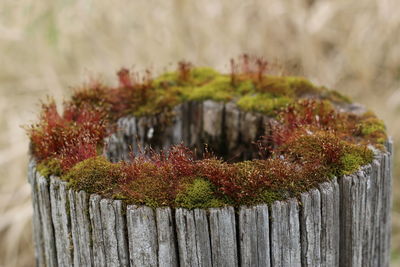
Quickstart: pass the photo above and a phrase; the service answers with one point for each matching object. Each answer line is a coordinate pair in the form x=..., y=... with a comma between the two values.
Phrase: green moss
x=49, y=167
x=203, y=75
x=199, y=194
x=354, y=157
x=312, y=141
x=351, y=163
x=94, y=175
x=288, y=86
x=246, y=87
x=334, y=96
x=269, y=196
x=219, y=89
x=166, y=79
x=372, y=125
x=263, y=103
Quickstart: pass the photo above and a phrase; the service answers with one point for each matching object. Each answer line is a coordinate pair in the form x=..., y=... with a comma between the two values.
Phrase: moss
x=354, y=157
x=49, y=167
x=219, y=89
x=372, y=125
x=263, y=103
x=334, y=96
x=372, y=129
x=199, y=194
x=312, y=140
x=269, y=196
x=351, y=163
x=166, y=79
x=200, y=76
x=288, y=86
x=94, y=175
x=246, y=87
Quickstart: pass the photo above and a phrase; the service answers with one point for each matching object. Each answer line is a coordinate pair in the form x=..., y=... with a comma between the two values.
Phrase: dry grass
x=47, y=46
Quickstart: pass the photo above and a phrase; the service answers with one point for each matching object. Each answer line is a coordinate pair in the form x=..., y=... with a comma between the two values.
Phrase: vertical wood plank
x=254, y=236
x=193, y=237
x=49, y=243
x=99, y=251
x=232, y=125
x=330, y=223
x=167, y=256
x=142, y=236
x=61, y=221
x=285, y=234
x=310, y=227
x=212, y=123
x=80, y=228
x=370, y=217
x=223, y=237
x=36, y=218
x=113, y=224
x=195, y=123
x=386, y=209
x=352, y=219
x=377, y=196
x=177, y=126
x=389, y=181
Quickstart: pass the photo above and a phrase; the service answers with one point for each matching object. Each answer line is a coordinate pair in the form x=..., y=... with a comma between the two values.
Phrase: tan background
x=49, y=45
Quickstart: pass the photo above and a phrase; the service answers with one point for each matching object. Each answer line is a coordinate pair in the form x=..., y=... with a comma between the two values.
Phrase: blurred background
x=49, y=46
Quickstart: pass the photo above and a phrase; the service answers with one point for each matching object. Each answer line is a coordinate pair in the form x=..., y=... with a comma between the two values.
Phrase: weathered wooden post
x=343, y=221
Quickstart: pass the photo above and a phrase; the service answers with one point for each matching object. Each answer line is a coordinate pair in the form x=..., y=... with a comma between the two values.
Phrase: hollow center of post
x=208, y=126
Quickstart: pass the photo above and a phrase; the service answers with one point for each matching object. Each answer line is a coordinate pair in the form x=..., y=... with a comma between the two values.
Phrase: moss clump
x=263, y=103
x=353, y=158
x=49, y=167
x=371, y=127
x=199, y=194
x=309, y=140
x=166, y=80
x=269, y=196
x=334, y=96
x=95, y=175
x=333, y=156
x=202, y=75
x=288, y=86
x=219, y=89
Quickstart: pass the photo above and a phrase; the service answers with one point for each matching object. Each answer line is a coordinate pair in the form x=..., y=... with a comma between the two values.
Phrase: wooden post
x=342, y=222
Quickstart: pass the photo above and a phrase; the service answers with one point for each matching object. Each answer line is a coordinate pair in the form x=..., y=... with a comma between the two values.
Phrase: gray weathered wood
x=330, y=223
x=285, y=234
x=370, y=217
x=353, y=198
x=142, y=236
x=223, y=237
x=254, y=236
x=80, y=228
x=193, y=237
x=386, y=209
x=195, y=123
x=232, y=125
x=99, y=249
x=49, y=243
x=343, y=222
x=389, y=197
x=376, y=202
x=61, y=221
x=212, y=118
x=167, y=250
x=177, y=127
x=113, y=225
x=310, y=227
x=36, y=219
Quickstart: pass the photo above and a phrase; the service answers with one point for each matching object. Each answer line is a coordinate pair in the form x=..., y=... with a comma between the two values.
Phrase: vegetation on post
x=310, y=139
